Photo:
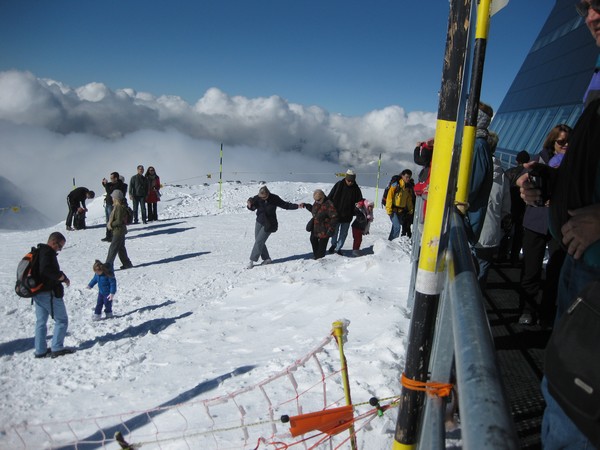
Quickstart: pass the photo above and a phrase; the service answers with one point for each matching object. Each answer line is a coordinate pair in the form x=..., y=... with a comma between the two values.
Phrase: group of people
x=144, y=189
x=332, y=217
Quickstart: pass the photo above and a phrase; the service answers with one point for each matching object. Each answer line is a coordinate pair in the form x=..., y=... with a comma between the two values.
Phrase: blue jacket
x=482, y=174
x=106, y=285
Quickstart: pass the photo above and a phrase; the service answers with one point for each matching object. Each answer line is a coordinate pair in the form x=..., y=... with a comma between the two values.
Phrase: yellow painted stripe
x=436, y=199
x=483, y=19
x=464, y=171
x=398, y=446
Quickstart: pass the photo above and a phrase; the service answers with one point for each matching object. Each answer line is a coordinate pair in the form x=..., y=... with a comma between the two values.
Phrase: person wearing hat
x=117, y=224
x=344, y=195
x=265, y=204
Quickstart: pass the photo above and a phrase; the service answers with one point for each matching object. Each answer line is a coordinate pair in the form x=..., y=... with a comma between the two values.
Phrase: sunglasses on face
x=584, y=6
x=561, y=142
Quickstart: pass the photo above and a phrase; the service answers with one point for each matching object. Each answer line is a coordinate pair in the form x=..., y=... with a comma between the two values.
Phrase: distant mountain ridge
x=15, y=211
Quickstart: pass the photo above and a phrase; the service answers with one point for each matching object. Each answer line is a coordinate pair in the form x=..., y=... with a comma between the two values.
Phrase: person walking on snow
x=362, y=223
x=323, y=223
x=399, y=203
x=344, y=196
x=107, y=288
x=49, y=300
x=265, y=204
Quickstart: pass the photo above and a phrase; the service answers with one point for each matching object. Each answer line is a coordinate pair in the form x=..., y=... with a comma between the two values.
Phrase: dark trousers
x=319, y=246
x=73, y=207
x=534, y=249
x=152, y=211
x=138, y=201
x=117, y=247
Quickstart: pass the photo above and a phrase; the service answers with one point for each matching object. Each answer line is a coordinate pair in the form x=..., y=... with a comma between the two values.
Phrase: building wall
x=549, y=87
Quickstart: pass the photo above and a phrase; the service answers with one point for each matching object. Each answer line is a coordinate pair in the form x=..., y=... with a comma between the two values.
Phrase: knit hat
x=350, y=175
x=117, y=195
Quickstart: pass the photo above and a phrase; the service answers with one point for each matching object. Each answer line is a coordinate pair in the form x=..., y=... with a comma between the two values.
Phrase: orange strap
x=432, y=388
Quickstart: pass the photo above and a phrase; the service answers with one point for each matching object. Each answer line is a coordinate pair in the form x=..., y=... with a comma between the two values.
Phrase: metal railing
x=463, y=353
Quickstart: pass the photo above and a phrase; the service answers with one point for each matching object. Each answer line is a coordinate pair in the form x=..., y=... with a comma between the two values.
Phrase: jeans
x=339, y=235
x=259, y=250
x=558, y=431
x=139, y=201
x=152, y=211
x=484, y=256
x=45, y=305
x=107, y=210
x=396, y=226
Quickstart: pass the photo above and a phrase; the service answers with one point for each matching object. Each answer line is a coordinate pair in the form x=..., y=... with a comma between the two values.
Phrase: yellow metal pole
x=339, y=332
x=470, y=129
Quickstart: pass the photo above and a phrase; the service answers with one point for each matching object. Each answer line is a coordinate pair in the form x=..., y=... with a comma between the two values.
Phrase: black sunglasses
x=584, y=6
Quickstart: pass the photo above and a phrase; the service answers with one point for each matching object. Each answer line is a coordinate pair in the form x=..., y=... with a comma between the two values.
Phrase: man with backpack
x=399, y=203
x=49, y=301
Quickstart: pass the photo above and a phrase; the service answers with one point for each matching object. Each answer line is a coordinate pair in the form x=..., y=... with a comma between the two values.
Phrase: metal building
x=549, y=86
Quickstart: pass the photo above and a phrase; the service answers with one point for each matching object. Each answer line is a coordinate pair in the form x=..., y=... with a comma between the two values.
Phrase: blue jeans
x=45, y=304
x=574, y=276
x=339, y=235
x=558, y=431
x=259, y=250
x=396, y=226
x=107, y=210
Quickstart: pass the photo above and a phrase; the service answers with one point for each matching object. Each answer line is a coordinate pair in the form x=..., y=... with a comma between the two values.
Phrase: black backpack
x=394, y=179
x=27, y=285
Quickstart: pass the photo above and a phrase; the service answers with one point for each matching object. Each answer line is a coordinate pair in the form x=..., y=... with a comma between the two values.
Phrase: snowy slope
x=192, y=323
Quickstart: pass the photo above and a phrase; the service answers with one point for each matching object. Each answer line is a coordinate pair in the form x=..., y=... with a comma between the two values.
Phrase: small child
x=364, y=216
x=107, y=288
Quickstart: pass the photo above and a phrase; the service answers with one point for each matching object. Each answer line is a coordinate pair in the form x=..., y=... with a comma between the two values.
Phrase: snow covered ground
x=193, y=324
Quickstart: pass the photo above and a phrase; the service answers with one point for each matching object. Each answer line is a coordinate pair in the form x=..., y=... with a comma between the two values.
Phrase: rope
x=432, y=388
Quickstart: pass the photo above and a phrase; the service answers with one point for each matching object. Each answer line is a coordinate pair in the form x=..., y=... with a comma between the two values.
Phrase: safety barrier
x=463, y=354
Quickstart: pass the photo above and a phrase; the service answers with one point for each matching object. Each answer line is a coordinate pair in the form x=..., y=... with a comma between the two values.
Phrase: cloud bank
x=59, y=133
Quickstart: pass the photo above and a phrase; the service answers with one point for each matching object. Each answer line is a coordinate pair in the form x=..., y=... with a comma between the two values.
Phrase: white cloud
x=86, y=132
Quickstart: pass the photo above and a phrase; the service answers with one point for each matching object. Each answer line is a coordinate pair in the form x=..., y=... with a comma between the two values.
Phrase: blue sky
x=348, y=57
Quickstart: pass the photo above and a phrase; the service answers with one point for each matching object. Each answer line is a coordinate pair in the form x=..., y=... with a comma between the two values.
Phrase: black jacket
x=344, y=199
x=110, y=187
x=266, y=213
x=48, y=271
x=78, y=196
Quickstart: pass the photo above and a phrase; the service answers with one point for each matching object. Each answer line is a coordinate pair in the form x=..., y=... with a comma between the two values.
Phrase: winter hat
x=263, y=192
x=117, y=195
x=350, y=175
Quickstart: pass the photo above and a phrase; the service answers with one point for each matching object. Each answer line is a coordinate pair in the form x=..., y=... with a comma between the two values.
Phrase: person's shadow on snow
x=159, y=232
x=171, y=259
x=153, y=326
x=101, y=437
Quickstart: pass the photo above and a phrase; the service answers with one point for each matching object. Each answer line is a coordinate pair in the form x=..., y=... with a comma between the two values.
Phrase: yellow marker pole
x=339, y=332
x=470, y=129
x=428, y=281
